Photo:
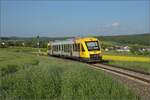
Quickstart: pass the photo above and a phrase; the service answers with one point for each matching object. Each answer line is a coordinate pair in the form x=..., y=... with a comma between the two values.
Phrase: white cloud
x=115, y=24
x=109, y=27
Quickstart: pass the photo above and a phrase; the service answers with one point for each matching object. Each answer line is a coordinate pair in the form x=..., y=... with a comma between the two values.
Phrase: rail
x=136, y=76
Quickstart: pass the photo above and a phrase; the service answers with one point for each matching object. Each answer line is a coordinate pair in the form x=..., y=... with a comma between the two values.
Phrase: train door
x=71, y=50
x=76, y=50
x=82, y=51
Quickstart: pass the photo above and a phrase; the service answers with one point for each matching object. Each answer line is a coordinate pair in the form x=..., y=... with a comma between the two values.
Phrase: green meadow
x=27, y=76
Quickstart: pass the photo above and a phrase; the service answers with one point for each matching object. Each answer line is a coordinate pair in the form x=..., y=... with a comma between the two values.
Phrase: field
x=26, y=76
x=126, y=58
x=130, y=62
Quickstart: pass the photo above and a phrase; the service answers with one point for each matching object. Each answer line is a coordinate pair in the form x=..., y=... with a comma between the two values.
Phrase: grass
x=24, y=49
x=139, y=66
x=35, y=77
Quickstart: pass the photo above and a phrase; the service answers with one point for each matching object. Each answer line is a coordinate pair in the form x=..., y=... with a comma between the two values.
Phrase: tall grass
x=51, y=78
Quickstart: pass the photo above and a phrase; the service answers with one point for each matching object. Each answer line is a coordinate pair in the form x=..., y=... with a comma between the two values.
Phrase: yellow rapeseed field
x=126, y=58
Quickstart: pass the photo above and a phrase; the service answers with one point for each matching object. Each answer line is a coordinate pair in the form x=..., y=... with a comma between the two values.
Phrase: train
x=86, y=49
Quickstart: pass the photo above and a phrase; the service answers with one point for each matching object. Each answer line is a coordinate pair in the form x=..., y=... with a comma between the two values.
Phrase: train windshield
x=92, y=45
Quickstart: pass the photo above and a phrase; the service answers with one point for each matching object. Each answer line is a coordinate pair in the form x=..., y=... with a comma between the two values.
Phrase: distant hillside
x=143, y=39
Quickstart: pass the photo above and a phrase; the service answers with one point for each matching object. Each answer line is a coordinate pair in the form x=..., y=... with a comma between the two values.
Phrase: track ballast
x=135, y=76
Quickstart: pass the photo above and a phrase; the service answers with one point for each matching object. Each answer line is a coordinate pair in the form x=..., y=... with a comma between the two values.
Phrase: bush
x=35, y=62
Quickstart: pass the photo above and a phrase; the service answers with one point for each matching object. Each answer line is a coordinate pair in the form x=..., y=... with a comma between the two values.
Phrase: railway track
x=130, y=74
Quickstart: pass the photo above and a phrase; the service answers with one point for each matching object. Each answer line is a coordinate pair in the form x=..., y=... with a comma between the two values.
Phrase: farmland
x=130, y=62
x=126, y=58
x=26, y=76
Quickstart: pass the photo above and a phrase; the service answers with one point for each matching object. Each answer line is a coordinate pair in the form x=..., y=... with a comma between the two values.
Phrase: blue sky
x=73, y=18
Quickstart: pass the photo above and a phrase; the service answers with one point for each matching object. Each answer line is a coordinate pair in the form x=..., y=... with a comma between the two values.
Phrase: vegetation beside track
x=26, y=76
x=137, y=66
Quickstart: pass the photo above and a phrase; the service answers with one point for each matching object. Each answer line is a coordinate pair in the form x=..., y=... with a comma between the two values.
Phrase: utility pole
x=38, y=44
x=0, y=38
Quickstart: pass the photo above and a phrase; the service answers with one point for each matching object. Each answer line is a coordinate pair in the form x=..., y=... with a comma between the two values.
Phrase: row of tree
x=23, y=43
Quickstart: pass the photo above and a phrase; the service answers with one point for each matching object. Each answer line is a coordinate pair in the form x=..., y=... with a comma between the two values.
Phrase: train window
x=53, y=47
x=68, y=49
x=92, y=45
x=73, y=47
x=56, y=48
x=62, y=47
x=78, y=47
x=59, y=47
x=66, y=46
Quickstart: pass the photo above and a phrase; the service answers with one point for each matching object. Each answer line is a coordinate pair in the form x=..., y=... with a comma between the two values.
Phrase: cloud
x=115, y=24
x=108, y=27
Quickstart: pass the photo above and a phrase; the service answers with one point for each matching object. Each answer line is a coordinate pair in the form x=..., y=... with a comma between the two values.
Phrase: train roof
x=63, y=42
x=87, y=39
x=73, y=40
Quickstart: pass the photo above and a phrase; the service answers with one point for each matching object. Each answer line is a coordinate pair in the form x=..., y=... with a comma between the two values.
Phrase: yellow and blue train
x=86, y=49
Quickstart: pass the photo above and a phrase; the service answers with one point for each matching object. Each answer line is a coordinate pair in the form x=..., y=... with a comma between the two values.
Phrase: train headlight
x=100, y=54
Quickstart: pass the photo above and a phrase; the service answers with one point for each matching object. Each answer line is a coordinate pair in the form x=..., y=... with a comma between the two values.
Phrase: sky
x=28, y=18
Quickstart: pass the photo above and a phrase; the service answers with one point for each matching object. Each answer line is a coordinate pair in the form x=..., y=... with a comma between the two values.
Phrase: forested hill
x=143, y=39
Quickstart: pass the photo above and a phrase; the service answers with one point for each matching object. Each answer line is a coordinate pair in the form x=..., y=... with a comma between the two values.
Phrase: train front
x=91, y=50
